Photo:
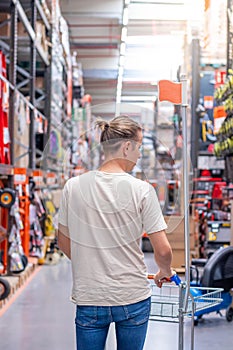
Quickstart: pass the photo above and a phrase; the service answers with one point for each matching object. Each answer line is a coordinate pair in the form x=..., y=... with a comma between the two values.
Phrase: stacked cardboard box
x=5, y=29
x=176, y=237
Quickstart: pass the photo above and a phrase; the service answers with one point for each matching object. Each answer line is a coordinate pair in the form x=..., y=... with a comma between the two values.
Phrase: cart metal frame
x=182, y=300
x=168, y=305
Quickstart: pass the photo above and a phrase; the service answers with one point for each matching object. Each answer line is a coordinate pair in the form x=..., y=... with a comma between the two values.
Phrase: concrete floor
x=42, y=317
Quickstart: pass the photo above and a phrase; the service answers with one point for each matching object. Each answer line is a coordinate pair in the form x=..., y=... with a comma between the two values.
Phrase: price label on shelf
x=38, y=177
x=51, y=179
x=20, y=176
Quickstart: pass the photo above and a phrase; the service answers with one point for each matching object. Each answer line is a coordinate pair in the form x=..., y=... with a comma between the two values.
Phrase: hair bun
x=106, y=126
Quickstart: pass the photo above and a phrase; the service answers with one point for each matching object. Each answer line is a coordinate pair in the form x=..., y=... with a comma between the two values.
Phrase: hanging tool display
x=22, y=185
x=36, y=234
x=224, y=96
x=4, y=108
x=50, y=212
x=224, y=144
x=18, y=260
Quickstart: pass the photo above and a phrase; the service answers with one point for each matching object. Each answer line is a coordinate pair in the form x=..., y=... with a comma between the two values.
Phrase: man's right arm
x=162, y=254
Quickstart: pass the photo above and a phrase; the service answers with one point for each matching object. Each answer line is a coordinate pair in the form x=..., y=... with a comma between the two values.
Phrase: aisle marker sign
x=170, y=91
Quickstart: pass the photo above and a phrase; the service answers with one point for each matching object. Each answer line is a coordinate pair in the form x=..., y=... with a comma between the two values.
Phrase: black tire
x=197, y=320
x=5, y=288
x=7, y=198
x=24, y=260
x=146, y=245
x=229, y=314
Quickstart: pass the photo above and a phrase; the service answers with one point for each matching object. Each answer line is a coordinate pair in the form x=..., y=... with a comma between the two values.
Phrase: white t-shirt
x=106, y=214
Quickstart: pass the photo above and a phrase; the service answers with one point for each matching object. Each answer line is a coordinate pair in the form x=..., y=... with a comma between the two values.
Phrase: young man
x=102, y=216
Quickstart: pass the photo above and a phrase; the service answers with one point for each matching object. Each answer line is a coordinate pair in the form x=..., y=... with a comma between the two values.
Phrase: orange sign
x=219, y=117
x=38, y=177
x=20, y=176
x=51, y=179
x=170, y=91
x=208, y=102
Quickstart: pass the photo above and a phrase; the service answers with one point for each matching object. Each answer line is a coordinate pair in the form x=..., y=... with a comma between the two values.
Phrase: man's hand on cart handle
x=160, y=280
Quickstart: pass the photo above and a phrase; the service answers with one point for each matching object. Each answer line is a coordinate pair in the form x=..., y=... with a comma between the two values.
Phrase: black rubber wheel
x=24, y=260
x=146, y=245
x=5, y=288
x=229, y=314
x=7, y=198
x=197, y=320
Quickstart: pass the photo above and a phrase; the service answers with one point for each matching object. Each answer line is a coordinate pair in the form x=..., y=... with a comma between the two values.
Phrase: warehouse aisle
x=42, y=317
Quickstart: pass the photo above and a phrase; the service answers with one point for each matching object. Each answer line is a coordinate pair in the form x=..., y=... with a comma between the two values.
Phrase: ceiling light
x=120, y=71
x=118, y=100
x=123, y=34
x=119, y=91
x=118, y=95
x=127, y=2
x=121, y=60
x=125, y=16
x=119, y=81
x=122, y=48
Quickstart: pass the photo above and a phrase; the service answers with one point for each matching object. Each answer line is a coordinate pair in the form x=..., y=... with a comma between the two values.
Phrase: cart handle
x=174, y=278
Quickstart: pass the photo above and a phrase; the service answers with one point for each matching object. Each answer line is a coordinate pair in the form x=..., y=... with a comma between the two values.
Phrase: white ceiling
x=157, y=33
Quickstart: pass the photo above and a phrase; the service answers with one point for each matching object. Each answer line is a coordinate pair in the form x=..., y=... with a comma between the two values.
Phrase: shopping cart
x=217, y=271
x=168, y=304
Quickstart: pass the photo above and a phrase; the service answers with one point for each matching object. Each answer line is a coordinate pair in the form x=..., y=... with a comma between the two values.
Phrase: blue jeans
x=131, y=321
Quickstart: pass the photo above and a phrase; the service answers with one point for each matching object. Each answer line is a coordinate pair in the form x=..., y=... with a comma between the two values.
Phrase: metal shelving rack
x=18, y=10
x=22, y=81
x=27, y=59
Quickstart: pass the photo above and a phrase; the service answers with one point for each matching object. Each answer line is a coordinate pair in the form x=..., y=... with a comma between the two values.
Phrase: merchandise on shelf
x=211, y=201
x=36, y=109
x=224, y=145
x=4, y=107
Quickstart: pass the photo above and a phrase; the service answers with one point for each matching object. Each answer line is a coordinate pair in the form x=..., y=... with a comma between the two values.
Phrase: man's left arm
x=63, y=240
x=63, y=236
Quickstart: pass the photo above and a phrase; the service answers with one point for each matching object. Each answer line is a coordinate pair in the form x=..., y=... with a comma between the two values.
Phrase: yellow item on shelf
x=49, y=227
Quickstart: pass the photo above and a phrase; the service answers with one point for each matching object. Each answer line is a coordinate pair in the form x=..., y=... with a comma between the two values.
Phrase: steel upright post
x=12, y=77
x=229, y=36
x=32, y=141
x=186, y=186
x=12, y=93
x=195, y=100
x=47, y=112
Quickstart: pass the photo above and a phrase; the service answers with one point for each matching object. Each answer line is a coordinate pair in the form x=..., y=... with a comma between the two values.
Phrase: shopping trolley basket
x=168, y=305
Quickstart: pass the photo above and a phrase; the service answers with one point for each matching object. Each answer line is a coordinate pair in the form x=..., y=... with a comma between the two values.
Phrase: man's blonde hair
x=113, y=132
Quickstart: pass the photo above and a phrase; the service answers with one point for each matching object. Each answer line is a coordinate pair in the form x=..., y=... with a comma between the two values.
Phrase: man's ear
x=126, y=148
